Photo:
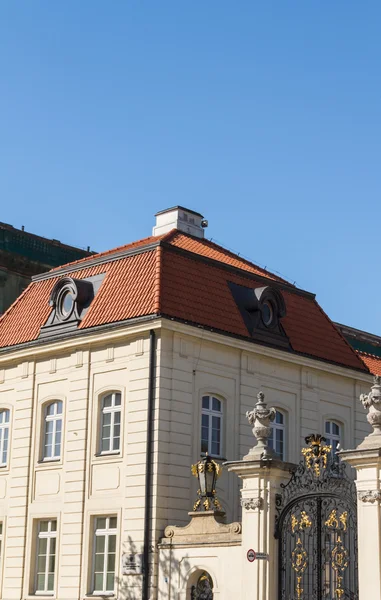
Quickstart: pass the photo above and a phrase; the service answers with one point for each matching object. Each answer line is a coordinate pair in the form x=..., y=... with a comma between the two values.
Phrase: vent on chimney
x=180, y=218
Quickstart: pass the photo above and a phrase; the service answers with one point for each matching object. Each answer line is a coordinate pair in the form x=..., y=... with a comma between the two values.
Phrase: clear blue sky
x=264, y=116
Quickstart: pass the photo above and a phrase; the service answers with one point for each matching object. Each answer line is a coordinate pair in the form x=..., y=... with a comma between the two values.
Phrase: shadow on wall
x=130, y=586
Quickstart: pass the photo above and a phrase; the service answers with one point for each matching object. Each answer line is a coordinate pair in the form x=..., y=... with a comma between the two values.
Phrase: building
x=118, y=370
x=367, y=346
x=22, y=255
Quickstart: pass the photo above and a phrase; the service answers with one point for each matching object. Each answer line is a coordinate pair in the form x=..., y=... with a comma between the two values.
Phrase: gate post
x=262, y=474
x=366, y=459
x=261, y=484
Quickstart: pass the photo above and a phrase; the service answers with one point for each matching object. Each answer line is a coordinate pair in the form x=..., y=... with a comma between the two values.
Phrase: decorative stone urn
x=372, y=401
x=260, y=418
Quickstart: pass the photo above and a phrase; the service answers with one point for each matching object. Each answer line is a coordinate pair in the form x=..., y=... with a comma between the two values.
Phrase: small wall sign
x=132, y=564
x=251, y=555
x=261, y=556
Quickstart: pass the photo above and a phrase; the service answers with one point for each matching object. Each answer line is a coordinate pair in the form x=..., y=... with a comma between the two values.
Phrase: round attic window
x=267, y=313
x=66, y=303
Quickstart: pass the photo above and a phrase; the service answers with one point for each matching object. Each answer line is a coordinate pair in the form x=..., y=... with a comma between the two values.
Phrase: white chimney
x=180, y=218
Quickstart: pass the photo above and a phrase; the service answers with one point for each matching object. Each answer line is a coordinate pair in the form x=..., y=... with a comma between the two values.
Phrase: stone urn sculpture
x=372, y=401
x=260, y=418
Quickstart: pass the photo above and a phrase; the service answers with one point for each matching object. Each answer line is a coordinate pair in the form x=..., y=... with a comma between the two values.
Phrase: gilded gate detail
x=317, y=529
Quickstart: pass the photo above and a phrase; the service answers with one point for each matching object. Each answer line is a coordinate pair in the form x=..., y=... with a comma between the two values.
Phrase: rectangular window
x=4, y=436
x=110, y=423
x=46, y=557
x=104, y=553
x=211, y=425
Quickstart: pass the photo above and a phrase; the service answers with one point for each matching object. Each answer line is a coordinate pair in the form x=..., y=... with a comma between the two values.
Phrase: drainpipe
x=148, y=479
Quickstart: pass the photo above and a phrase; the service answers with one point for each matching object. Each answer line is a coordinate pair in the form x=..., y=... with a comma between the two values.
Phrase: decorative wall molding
x=79, y=358
x=2, y=375
x=110, y=354
x=252, y=503
x=370, y=496
x=25, y=369
x=53, y=365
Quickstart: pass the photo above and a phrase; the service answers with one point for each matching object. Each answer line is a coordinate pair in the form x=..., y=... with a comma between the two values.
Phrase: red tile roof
x=372, y=362
x=181, y=278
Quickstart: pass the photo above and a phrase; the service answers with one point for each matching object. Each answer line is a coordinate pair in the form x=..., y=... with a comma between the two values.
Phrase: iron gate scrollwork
x=317, y=529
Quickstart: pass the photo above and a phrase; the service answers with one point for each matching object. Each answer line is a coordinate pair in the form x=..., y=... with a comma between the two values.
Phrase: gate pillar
x=366, y=459
x=262, y=478
x=367, y=462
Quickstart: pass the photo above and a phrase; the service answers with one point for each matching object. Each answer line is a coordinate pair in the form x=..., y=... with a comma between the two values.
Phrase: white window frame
x=212, y=413
x=49, y=535
x=279, y=427
x=5, y=426
x=106, y=532
x=110, y=410
x=333, y=437
x=55, y=417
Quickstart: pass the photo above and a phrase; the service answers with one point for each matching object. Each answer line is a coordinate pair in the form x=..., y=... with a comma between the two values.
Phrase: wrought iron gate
x=317, y=529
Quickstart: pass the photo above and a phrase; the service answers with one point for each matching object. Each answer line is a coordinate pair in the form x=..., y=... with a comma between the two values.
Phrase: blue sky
x=264, y=116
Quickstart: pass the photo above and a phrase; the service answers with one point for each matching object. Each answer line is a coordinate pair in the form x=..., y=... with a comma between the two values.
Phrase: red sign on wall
x=251, y=555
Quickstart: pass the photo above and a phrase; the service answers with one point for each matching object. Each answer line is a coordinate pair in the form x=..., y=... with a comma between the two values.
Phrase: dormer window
x=70, y=299
x=267, y=313
x=262, y=309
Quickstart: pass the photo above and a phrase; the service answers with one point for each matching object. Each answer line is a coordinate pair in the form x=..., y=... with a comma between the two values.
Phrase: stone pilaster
x=261, y=483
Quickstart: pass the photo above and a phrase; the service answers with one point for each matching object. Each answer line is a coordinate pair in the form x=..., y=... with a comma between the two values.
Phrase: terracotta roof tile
x=372, y=362
x=182, y=286
x=205, y=247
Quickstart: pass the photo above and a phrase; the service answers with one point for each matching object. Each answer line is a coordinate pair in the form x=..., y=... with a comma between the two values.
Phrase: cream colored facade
x=83, y=485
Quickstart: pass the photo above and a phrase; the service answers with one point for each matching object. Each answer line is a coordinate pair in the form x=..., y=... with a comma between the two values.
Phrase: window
x=277, y=441
x=110, y=423
x=53, y=431
x=46, y=557
x=4, y=436
x=332, y=434
x=211, y=425
x=103, y=576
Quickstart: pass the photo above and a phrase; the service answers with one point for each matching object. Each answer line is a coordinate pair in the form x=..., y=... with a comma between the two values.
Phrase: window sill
x=108, y=453
x=99, y=596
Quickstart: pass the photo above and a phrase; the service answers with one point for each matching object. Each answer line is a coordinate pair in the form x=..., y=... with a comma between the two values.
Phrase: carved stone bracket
x=252, y=503
x=370, y=496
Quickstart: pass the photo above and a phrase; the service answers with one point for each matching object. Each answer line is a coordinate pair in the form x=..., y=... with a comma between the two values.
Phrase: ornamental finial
x=260, y=418
x=372, y=401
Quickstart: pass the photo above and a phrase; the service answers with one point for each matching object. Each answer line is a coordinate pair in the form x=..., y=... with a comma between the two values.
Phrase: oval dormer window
x=267, y=313
x=66, y=303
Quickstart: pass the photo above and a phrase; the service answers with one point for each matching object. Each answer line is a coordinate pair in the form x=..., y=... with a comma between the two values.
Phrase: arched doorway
x=202, y=589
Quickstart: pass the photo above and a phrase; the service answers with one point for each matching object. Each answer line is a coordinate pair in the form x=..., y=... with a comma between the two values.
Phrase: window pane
x=118, y=399
x=205, y=420
x=41, y=562
x=98, y=582
x=216, y=405
x=50, y=582
x=44, y=525
x=111, y=562
x=335, y=429
x=99, y=562
x=116, y=443
x=327, y=427
x=105, y=445
x=113, y=522
x=6, y=416
x=101, y=523
x=204, y=445
x=205, y=402
x=59, y=408
x=215, y=448
x=107, y=402
x=99, y=544
x=40, y=582
x=279, y=418
x=117, y=417
x=50, y=409
x=110, y=582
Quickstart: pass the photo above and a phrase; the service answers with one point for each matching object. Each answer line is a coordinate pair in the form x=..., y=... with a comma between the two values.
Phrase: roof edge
x=242, y=272
x=92, y=262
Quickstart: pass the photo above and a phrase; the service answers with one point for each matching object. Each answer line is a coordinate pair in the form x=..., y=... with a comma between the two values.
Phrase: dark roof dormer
x=262, y=309
x=69, y=299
